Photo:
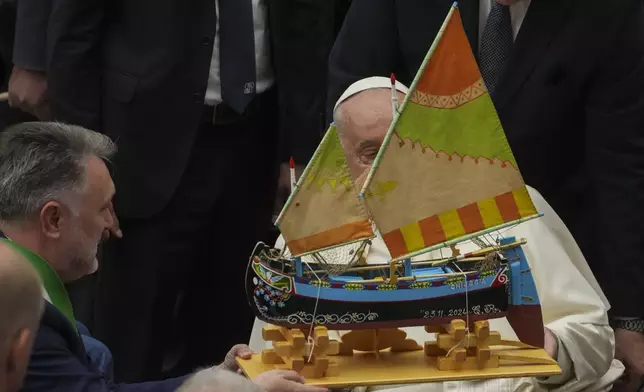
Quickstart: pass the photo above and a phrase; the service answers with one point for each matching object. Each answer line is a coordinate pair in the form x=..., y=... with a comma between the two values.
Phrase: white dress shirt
x=263, y=69
x=517, y=14
x=572, y=303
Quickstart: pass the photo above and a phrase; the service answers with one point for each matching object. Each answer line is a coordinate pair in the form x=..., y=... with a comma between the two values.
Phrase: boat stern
x=524, y=311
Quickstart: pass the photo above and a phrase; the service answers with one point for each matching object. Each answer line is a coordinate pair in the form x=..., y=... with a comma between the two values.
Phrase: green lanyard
x=50, y=280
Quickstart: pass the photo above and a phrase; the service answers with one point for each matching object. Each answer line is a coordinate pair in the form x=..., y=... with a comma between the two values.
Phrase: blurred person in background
x=21, y=307
x=225, y=381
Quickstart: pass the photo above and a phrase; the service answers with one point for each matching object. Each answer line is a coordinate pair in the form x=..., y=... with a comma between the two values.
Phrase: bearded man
x=55, y=207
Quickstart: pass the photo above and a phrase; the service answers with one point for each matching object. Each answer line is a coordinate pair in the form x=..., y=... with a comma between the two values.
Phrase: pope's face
x=365, y=119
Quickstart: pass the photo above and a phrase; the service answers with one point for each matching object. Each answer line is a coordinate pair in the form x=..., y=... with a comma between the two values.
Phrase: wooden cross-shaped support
x=293, y=350
x=456, y=348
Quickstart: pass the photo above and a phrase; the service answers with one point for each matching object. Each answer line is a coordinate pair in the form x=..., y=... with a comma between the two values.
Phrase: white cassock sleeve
x=573, y=305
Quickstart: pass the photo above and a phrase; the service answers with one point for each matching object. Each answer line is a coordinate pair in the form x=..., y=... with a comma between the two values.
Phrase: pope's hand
x=284, y=381
x=550, y=343
x=230, y=362
x=629, y=349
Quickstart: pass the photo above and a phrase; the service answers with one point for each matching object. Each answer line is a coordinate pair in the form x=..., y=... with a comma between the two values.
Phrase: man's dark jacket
x=23, y=40
x=571, y=104
x=138, y=71
x=7, y=28
x=59, y=363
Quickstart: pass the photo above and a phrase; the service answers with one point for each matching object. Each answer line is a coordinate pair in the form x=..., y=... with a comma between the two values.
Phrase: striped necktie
x=496, y=45
x=237, y=53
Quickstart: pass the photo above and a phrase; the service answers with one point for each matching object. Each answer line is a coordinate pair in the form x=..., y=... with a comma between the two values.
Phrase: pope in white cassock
x=574, y=308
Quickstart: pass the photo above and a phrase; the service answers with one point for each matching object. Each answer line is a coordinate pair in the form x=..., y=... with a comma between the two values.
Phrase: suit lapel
x=543, y=20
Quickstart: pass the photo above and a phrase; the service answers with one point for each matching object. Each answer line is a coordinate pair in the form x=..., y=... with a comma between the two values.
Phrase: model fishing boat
x=361, y=299
x=445, y=174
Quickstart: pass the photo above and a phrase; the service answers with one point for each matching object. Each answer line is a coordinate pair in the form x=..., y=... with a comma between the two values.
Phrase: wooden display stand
x=386, y=356
x=292, y=350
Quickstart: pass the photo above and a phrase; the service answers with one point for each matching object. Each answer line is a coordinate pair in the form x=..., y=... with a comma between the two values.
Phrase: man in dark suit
x=203, y=99
x=55, y=209
x=567, y=78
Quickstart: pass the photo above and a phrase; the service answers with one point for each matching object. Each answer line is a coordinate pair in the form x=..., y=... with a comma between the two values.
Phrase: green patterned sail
x=324, y=210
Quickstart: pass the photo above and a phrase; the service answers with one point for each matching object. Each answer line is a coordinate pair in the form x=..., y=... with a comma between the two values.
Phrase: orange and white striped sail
x=445, y=170
x=324, y=211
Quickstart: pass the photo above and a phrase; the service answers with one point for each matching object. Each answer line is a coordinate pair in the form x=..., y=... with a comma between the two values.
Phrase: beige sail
x=324, y=210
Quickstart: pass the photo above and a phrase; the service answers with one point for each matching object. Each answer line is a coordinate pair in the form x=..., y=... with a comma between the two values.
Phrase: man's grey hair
x=45, y=161
x=219, y=380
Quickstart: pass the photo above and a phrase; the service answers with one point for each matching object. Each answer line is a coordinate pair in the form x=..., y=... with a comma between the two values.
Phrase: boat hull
x=295, y=302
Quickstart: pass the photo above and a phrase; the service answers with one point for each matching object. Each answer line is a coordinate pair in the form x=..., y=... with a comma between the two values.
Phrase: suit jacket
x=571, y=105
x=138, y=71
x=59, y=363
x=23, y=36
x=23, y=30
x=7, y=27
x=30, y=43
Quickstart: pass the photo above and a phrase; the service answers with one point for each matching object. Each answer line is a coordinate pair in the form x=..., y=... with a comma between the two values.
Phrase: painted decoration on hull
x=272, y=278
x=296, y=311
x=338, y=304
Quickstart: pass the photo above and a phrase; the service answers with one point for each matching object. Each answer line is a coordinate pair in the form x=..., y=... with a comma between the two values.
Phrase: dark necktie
x=237, y=53
x=496, y=44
